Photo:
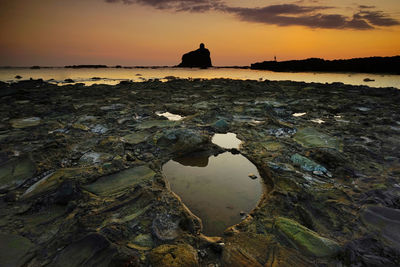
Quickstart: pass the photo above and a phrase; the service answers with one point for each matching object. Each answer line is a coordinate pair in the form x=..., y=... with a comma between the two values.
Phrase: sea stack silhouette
x=199, y=58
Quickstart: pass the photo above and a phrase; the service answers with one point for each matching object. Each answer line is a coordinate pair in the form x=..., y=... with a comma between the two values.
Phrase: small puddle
x=217, y=189
x=228, y=140
x=170, y=116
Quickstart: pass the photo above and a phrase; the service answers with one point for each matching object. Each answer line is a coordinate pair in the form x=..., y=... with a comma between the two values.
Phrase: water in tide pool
x=220, y=190
x=116, y=75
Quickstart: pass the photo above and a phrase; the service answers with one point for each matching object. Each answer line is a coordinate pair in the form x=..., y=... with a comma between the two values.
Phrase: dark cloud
x=377, y=18
x=176, y=5
x=312, y=16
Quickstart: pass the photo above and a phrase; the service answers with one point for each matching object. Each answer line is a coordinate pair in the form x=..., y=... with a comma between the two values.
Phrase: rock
x=182, y=255
x=307, y=164
x=95, y=158
x=144, y=240
x=306, y=240
x=14, y=250
x=65, y=193
x=369, y=80
x=25, y=122
x=309, y=137
x=181, y=140
x=385, y=221
x=252, y=176
x=198, y=58
x=156, y=124
x=52, y=181
x=92, y=250
x=136, y=138
x=118, y=182
x=69, y=81
x=13, y=173
x=99, y=129
x=220, y=126
x=18, y=77
x=166, y=227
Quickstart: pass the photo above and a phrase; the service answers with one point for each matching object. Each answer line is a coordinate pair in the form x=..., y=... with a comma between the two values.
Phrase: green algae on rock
x=136, y=138
x=182, y=255
x=307, y=164
x=306, y=240
x=309, y=137
x=115, y=183
x=14, y=249
x=15, y=172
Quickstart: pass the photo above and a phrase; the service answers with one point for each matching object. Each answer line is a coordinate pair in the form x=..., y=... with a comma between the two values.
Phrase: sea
x=113, y=76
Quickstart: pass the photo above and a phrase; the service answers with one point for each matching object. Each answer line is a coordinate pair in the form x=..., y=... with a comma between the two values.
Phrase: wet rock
x=14, y=250
x=198, y=58
x=306, y=240
x=156, y=124
x=386, y=221
x=182, y=255
x=136, y=138
x=181, y=140
x=15, y=172
x=52, y=181
x=92, y=250
x=99, y=129
x=65, y=192
x=307, y=164
x=144, y=240
x=309, y=137
x=121, y=181
x=166, y=227
x=220, y=126
x=282, y=132
x=25, y=122
x=112, y=107
x=95, y=158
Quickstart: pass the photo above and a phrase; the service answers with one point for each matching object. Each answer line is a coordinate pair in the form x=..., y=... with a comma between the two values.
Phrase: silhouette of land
x=86, y=66
x=199, y=58
x=364, y=65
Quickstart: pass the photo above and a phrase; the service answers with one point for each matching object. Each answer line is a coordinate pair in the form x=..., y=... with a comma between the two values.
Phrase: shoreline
x=61, y=203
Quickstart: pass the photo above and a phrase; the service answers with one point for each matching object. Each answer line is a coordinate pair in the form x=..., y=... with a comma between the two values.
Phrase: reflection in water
x=115, y=75
x=218, y=192
x=170, y=116
x=228, y=140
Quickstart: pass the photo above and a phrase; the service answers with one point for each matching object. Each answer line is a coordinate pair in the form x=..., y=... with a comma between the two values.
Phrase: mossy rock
x=15, y=172
x=115, y=183
x=182, y=255
x=306, y=240
x=309, y=137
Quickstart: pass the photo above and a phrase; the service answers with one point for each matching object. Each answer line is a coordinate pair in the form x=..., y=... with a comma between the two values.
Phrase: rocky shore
x=81, y=180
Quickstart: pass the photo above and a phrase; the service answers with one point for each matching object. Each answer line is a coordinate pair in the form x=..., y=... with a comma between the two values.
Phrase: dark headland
x=363, y=65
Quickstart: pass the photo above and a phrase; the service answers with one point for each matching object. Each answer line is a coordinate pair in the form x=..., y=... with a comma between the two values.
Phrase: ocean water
x=115, y=75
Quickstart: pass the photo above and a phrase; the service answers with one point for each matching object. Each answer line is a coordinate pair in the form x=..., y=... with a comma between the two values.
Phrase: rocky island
x=199, y=58
x=81, y=180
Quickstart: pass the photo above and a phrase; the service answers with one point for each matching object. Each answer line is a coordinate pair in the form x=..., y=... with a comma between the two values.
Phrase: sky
x=158, y=32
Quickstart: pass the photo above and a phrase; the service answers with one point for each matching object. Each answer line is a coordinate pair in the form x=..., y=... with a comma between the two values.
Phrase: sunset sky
x=158, y=32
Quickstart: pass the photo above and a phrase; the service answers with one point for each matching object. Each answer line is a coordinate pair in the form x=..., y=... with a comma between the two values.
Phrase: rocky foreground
x=81, y=181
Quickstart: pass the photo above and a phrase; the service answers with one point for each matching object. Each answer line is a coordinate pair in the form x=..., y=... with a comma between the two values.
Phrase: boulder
x=181, y=140
x=199, y=58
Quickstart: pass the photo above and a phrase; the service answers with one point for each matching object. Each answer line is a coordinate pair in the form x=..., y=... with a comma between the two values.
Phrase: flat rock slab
x=156, y=123
x=14, y=250
x=306, y=240
x=309, y=137
x=15, y=172
x=112, y=184
x=92, y=250
x=384, y=220
x=136, y=138
x=25, y=122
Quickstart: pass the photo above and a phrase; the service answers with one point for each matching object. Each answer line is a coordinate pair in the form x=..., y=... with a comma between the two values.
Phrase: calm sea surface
x=115, y=75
